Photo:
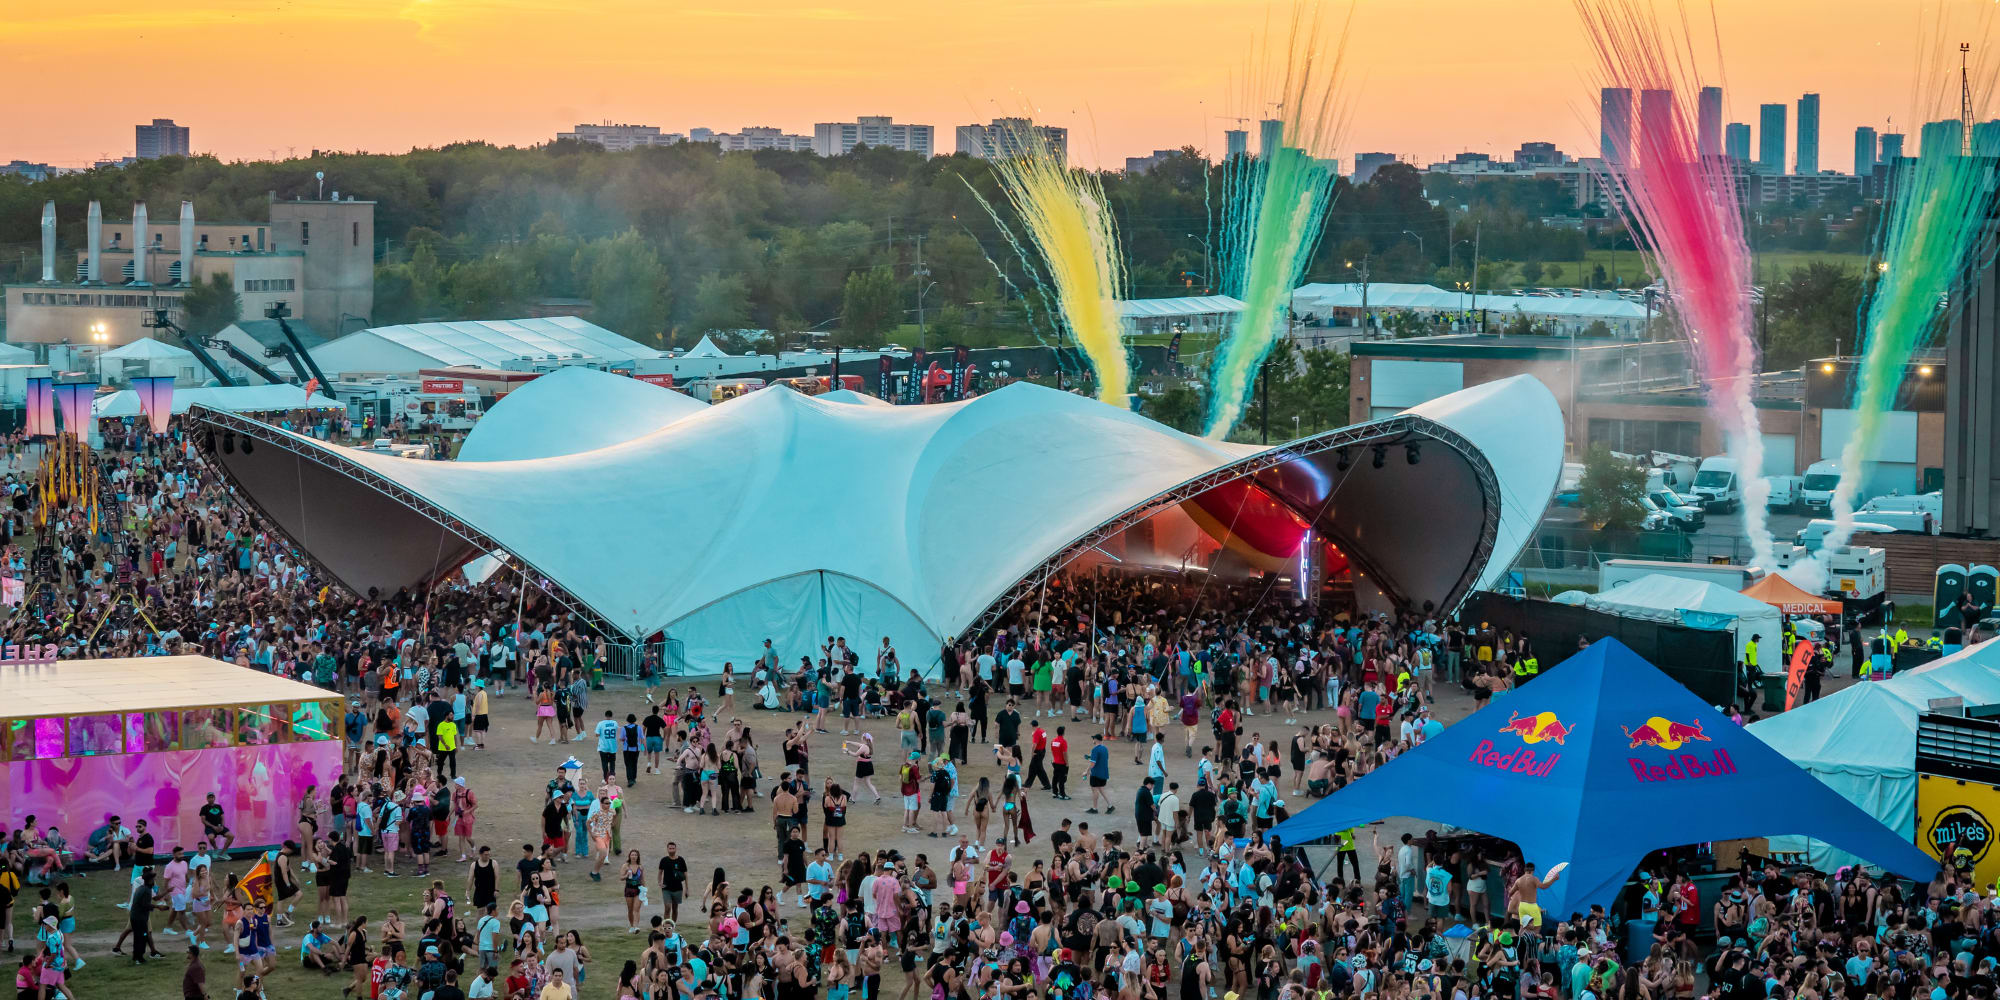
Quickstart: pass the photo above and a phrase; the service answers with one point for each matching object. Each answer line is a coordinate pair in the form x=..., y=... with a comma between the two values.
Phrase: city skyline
x=388, y=75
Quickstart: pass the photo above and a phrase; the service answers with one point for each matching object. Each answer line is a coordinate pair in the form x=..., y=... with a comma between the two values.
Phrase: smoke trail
x=1065, y=215
x=1274, y=206
x=1686, y=212
x=1936, y=207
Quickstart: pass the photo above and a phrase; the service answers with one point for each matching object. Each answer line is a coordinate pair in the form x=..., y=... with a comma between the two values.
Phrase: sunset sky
x=257, y=78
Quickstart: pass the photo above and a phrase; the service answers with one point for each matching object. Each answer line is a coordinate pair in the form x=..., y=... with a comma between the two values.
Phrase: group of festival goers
x=1163, y=886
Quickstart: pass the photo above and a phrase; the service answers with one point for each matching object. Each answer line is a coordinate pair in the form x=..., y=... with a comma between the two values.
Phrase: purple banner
x=75, y=399
x=156, y=399
x=41, y=417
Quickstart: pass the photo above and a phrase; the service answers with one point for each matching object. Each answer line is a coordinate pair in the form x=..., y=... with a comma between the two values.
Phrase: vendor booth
x=1696, y=604
x=1789, y=598
x=1597, y=763
x=1862, y=741
x=1703, y=660
x=149, y=738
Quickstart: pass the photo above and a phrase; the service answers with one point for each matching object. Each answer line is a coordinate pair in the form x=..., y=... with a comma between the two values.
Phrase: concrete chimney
x=139, y=244
x=49, y=243
x=94, y=256
x=187, y=243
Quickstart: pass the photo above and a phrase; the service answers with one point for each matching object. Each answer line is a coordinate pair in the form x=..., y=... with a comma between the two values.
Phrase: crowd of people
x=1163, y=884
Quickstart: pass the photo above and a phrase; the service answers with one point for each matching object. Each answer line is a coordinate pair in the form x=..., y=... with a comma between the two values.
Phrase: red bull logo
x=1542, y=727
x=1666, y=734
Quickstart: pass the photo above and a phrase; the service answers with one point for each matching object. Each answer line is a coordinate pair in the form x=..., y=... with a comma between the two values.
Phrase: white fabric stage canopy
x=793, y=517
x=1696, y=604
x=1863, y=740
x=231, y=398
x=542, y=419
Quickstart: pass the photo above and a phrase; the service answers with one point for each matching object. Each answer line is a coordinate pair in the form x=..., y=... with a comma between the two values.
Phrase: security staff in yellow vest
x=1526, y=667
x=1750, y=654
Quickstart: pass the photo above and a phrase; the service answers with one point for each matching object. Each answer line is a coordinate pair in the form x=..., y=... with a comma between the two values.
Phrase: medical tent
x=1696, y=604
x=1598, y=762
x=1862, y=741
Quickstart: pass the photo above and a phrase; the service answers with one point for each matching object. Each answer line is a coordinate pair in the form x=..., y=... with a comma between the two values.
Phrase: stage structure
x=149, y=738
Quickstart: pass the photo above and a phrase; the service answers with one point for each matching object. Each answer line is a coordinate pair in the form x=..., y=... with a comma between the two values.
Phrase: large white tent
x=515, y=344
x=792, y=517
x=147, y=357
x=1863, y=740
x=1696, y=604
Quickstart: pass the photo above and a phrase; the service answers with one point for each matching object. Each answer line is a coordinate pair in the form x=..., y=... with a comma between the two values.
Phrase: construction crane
x=159, y=320
x=1964, y=101
x=301, y=359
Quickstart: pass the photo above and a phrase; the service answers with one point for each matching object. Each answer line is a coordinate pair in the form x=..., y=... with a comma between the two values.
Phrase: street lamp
x=98, y=332
x=1207, y=267
x=1419, y=239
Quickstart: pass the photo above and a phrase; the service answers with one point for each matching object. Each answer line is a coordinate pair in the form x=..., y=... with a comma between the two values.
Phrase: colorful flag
x=156, y=400
x=258, y=884
x=1795, y=677
x=41, y=419
x=959, y=357
x=312, y=386
x=75, y=399
x=885, y=377
x=914, y=391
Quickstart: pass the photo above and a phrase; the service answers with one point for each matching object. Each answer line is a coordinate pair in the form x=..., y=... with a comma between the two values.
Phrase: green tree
x=628, y=287
x=1531, y=272
x=1178, y=406
x=721, y=302
x=1553, y=272
x=209, y=306
x=870, y=306
x=1810, y=312
x=492, y=287
x=1610, y=491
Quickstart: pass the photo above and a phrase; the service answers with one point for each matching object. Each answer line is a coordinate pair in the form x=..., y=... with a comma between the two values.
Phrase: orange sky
x=1427, y=77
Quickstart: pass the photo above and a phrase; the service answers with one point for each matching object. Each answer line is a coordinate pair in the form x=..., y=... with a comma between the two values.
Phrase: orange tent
x=1782, y=594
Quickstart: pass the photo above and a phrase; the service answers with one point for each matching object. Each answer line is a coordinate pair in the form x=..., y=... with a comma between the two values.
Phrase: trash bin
x=1773, y=686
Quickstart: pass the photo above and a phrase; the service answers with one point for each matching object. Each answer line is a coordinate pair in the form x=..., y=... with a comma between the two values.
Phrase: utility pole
x=1264, y=395
x=1964, y=102
x=920, y=273
x=1476, y=226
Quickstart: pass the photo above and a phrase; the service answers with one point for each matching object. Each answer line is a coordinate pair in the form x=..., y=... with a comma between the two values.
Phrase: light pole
x=1419, y=239
x=921, y=292
x=1367, y=322
x=1207, y=266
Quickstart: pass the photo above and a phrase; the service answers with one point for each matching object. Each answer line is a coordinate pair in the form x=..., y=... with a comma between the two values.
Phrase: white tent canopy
x=147, y=349
x=1696, y=604
x=792, y=517
x=705, y=349
x=14, y=354
x=231, y=399
x=515, y=344
x=1863, y=740
x=557, y=414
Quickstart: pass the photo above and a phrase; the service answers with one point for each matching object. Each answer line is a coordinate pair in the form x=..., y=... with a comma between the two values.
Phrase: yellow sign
x=1955, y=822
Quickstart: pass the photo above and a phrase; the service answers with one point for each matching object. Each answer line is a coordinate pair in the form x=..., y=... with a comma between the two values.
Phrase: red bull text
x=1522, y=760
x=1684, y=767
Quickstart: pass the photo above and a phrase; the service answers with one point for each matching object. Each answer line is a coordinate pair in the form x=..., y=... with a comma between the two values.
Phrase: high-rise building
x=621, y=137
x=162, y=138
x=1236, y=142
x=1736, y=142
x=1771, y=138
x=1270, y=135
x=1864, y=151
x=1538, y=154
x=1942, y=138
x=1808, y=155
x=1986, y=138
x=1614, y=126
x=754, y=137
x=836, y=138
x=1008, y=137
x=1365, y=165
x=1892, y=148
x=1656, y=122
x=1708, y=122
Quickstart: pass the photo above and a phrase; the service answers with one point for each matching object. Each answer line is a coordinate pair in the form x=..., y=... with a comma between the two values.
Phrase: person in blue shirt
x=1100, y=774
x=316, y=950
x=607, y=745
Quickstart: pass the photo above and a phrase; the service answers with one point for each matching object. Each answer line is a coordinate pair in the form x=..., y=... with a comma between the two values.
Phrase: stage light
x=229, y=443
x=1411, y=453
x=1925, y=371
x=1381, y=455
x=1826, y=367
x=1342, y=461
x=247, y=443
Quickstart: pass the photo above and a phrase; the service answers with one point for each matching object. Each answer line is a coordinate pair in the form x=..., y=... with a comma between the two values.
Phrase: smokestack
x=93, y=258
x=187, y=243
x=49, y=243
x=139, y=244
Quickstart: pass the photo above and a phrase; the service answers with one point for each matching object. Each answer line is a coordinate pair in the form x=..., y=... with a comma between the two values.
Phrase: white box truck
x=1612, y=572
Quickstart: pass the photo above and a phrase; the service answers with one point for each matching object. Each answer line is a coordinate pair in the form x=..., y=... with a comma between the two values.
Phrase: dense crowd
x=1168, y=886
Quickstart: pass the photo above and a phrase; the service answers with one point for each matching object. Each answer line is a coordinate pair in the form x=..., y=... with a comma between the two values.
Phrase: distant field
x=1630, y=265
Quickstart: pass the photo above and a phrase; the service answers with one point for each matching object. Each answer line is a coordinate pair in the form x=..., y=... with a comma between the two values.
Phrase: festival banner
x=312, y=386
x=156, y=400
x=833, y=383
x=959, y=356
x=75, y=399
x=41, y=417
x=971, y=372
x=885, y=376
x=914, y=390
x=1795, y=677
x=1956, y=816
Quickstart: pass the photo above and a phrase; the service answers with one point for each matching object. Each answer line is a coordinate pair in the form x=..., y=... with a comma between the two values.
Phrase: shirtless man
x=1521, y=903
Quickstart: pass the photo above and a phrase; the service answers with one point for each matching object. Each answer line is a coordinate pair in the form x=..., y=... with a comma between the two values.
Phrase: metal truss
x=212, y=423
x=1389, y=431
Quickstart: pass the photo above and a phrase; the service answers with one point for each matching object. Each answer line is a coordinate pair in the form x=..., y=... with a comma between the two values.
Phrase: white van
x=1784, y=492
x=1716, y=484
x=1816, y=488
x=1682, y=512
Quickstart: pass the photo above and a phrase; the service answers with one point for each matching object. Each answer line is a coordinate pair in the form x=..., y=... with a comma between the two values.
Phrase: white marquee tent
x=1696, y=604
x=792, y=517
x=229, y=398
x=1863, y=740
x=514, y=344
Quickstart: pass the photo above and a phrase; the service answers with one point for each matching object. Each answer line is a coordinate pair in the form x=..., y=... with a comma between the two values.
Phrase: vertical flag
x=75, y=399
x=1795, y=675
x=258, y=884
x=959, y=355
x=914, y=391
x=156, y=400
x=833, y=383
x=312, y=386
x=971, y=372
x=885, y=377
x=41, y=417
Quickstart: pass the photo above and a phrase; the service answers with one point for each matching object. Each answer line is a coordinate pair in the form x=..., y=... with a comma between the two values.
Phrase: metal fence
x=628, y=661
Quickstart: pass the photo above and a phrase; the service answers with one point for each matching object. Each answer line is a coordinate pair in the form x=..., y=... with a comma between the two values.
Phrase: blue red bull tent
x=1598, y=762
